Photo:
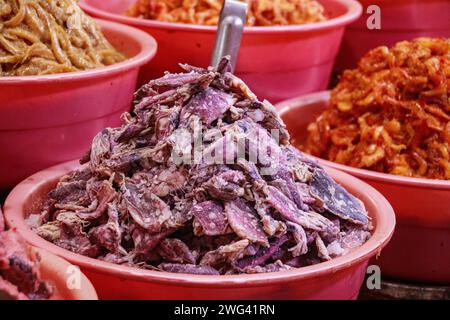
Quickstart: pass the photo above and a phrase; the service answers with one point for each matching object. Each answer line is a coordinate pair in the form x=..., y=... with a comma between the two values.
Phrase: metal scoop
x=229, y=32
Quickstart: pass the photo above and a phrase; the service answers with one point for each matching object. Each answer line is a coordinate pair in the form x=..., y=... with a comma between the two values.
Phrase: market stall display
x=142, y=201
x=190, y=183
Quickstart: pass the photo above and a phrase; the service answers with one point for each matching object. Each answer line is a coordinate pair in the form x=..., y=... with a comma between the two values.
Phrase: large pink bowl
x=276, y=62
x=400, y=20
x=420, y=248
x=46, y=120
x=340, y=278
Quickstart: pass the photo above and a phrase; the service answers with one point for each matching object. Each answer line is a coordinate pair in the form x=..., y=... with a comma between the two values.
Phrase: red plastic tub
x=340, y=278
x=400, y=20
x=420, y=248
x=276, y=62
x=46, y=120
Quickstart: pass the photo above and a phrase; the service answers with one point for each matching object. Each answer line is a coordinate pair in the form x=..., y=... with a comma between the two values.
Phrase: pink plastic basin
x=420, y=248
x=55, y=270
x=46, y=120
x=400, y=20
x=340, y=278
x=277, y=62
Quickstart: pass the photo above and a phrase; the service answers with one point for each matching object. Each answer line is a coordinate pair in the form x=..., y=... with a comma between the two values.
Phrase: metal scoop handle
x=229, y=32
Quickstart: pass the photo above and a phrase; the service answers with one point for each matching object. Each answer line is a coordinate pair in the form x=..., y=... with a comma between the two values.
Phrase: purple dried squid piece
x=79, y=243
x=271, y=226
x=226, y=185
x=300, y=237
x=188, y=268
x=272, y=267
x=225, y=253
x=305, y=194
x=71, y=192
x=143, y=92
x=224, y=65
x=250, y=169
x=353, y=238
x=168, y=180
x=289, y=211
x=208, y=104
x=135, y=127
x=175, y=250
x=295, y=155
x=262, y=255
x=108, y=235
x=261, y=147
x=223, y=150
x=166, y=122
x=175, y=80
x=336, y=199
x=244, y=221
x=209, y=218
x=145, y=242
x=290, y=190
x=72, y=236
x=104, y=194
x=101, y=148
x=147, y=209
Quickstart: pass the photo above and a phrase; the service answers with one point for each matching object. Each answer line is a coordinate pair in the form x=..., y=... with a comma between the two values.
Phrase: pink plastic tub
x=400, y=20
x=340, y=278
x=276, y=62
x=54, y=270
x=46, y=120
x=420, y=248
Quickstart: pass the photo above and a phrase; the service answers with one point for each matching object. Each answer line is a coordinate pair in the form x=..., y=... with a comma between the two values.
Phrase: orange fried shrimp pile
x=391, y=114
x=206, y=12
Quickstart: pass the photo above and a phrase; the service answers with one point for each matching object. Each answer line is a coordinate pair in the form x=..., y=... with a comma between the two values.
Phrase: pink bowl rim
x=381, y=235
x=148, y=50
x=354, y=10
x=299, y=102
